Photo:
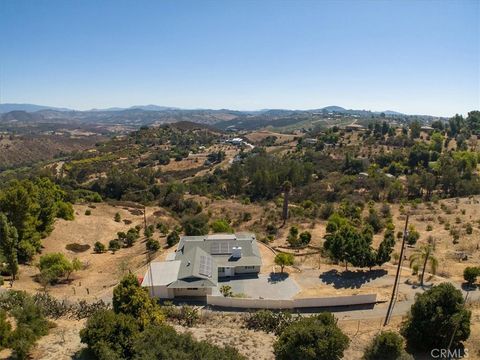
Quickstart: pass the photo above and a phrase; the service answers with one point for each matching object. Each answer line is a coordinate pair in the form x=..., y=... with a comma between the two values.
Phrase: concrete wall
x=291, y=304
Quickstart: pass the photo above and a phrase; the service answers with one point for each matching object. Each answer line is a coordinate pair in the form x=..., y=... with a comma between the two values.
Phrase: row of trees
x=350, y=244
x=28, y=209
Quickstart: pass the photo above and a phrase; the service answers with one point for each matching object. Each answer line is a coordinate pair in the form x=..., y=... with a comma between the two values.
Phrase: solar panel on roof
x=206, y=266
x=221, y=247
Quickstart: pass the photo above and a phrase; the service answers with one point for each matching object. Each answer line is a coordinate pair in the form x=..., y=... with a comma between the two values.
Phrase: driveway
x=273, y=286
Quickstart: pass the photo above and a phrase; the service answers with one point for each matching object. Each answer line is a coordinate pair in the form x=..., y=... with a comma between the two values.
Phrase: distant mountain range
x=4, y=108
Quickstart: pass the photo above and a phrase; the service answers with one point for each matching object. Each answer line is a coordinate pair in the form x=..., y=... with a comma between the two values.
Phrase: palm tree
x=287, y=187
x=423, y=256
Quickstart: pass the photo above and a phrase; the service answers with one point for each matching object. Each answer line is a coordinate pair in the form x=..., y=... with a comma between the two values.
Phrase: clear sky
x=420, y=57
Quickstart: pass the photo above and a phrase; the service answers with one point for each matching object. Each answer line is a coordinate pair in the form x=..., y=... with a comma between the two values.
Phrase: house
x=354, y=127
x=427, y=129
x=310, y=141
x=198, y=263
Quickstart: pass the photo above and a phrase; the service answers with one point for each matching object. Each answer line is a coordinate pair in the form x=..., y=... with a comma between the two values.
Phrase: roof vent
x=188, y=263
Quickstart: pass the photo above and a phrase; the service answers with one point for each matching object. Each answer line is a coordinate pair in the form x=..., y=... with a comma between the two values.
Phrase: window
x=221, y=269
x=192, y=288
x=249, y=267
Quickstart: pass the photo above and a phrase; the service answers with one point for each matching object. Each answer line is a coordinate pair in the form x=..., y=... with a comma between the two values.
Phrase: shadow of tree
x=350, y=279
x=277, y=277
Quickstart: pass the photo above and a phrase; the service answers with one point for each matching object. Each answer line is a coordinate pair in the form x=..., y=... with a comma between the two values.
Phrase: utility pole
x=397, y=276
x=150, y=272
x=145, y=216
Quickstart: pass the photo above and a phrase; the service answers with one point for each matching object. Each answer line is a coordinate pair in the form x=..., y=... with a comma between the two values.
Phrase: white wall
x=161, y=292
x=291, y=304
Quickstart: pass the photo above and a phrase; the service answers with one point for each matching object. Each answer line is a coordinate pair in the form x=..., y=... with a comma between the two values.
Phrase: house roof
x=163, y=273
x=220, y=247
x=197, y=259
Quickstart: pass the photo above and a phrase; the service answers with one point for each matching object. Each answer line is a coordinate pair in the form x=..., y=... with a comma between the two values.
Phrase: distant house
x=200, y=261
x=354, y=127
x=235, y=141
x=310, y=141
x=427, y=129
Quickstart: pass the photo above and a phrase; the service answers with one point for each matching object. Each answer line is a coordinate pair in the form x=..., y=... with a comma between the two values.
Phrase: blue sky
x=419, y=57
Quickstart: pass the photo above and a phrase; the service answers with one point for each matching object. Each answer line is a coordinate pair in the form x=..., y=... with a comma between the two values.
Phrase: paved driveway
x=274, y=286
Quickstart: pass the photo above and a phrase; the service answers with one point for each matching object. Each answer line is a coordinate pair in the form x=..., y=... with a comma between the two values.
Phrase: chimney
x=236, y=252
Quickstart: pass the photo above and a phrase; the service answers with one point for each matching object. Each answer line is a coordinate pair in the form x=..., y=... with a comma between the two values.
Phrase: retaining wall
x=232, y=302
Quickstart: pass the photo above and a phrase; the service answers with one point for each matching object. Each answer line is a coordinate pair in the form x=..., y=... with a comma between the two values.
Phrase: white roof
x=170, y=257
x=163, y=273
x=221, y=237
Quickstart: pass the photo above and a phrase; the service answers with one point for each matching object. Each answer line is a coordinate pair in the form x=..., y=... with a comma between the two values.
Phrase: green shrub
x=152, y=245
x=88, y=212
x=99, y=247
x=470, y=274
x=469, y=229
x=386, y=345
x=55, y=266
x=313, y=338
x=117, y=217
x=433, y=316
x=173, y=238
x=246, y=217
x=114, y=245
x=163, y=342
x=221, y=226
x=268, y=321
x=65, y=210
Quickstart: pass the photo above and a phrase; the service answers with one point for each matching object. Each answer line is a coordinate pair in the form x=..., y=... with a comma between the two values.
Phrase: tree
x=8, y=246
x=195, y=225
x=292, y=238
x=415, y=128
x=437, y=316
x=5, y=329
x=305, y=237
x=349, y=245
x=287, y=187
x=284, y=259
x=312, y=338
x=385, y=248
x=470, y=274
x=221, y=226
x=114, y=245
x=387, y=345
x=131, y=237
x=173, y=238
x=55, y=266
x=99, y=247
x=412, y=235
x=152, y=245
x=109, y=335
x=163, y=342
x=149, y=230
x=117, y=217
x=374, y=220
x=131, y=299
x=423, y=256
